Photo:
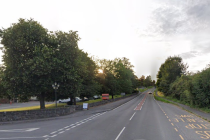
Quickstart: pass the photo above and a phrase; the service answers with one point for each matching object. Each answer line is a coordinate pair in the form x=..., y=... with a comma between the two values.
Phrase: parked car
x=78, y=99
x=85, y=99
x=64, y=100
x=97, y=97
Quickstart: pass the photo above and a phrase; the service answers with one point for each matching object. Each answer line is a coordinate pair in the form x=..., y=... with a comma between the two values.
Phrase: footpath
x=193, y=110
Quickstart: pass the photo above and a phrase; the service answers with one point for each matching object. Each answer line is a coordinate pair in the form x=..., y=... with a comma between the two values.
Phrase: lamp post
x=55, y=87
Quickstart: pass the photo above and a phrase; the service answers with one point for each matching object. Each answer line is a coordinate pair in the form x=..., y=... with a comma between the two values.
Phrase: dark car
x=150, y=92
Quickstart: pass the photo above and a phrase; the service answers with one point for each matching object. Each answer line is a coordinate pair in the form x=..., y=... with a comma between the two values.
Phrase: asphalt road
x=142, y=118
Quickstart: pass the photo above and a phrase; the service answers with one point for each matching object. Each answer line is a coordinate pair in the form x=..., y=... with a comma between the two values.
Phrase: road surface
x=142, y=118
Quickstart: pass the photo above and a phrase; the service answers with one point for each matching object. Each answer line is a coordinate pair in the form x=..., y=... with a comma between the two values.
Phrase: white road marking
x=53, y=136
x=54, y=132
x=20, y=130
x=74, y=125
x=71, y=125
x=15, y=138
x=132, y=115
x=120, y=133
x=61, y=132
x=141, y=108
x=46, y=135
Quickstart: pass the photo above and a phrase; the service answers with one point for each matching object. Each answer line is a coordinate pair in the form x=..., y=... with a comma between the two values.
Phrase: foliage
x=117, y=76
x=200, y=89
x=189, y=88
x=168, y=73
x=34, y=58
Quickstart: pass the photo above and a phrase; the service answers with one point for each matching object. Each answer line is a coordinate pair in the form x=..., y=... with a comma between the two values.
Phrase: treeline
x=35, y=58
x=190, y=88
x=146, y=82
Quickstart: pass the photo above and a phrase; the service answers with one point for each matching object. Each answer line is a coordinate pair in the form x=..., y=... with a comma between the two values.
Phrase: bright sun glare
x=100, y=71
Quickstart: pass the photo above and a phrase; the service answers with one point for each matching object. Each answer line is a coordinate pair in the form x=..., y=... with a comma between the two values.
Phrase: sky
x=145, y=32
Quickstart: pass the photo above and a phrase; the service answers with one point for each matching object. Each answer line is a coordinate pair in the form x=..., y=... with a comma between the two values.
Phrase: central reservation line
x=132, y=115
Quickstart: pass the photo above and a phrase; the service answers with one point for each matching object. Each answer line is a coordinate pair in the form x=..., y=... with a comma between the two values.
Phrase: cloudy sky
x=145, y=32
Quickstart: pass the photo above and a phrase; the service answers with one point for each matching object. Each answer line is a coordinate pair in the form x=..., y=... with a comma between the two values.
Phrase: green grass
x=142, y=90
x=161, y=99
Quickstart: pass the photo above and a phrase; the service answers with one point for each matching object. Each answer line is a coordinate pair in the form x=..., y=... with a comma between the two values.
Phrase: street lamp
x=55, y=87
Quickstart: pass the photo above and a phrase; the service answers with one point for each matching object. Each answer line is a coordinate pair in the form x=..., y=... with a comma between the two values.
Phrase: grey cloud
x=188, y=55
x=168, y=20
x=200, y=11
x=188, y=17
x=201, y=44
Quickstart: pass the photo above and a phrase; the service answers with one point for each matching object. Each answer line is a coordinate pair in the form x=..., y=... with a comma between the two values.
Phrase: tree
x=68, y=65
x=200, y=88
x=34, y=59
x=117, y=76
x=148, y=81
x=90, y=86
x=25, y=58
x=141, y=80
x=168, y=72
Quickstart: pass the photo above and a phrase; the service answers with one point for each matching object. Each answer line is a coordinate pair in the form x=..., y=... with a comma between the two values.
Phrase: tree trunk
x=112, y=96
x=74, y=103
x=71, y=100
x=42, y=102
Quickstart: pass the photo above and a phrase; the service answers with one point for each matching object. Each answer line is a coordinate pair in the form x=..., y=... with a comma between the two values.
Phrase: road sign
x=85, y=105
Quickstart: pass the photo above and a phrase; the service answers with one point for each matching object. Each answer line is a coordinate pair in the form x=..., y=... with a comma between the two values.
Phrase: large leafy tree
x=35, y=58
x=88, y=73
x=68, y=65
x=168, y=72
x=26, y=58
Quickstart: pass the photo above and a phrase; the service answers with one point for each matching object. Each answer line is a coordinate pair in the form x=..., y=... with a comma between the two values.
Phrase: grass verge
x=160, y=99
x=204, y=109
